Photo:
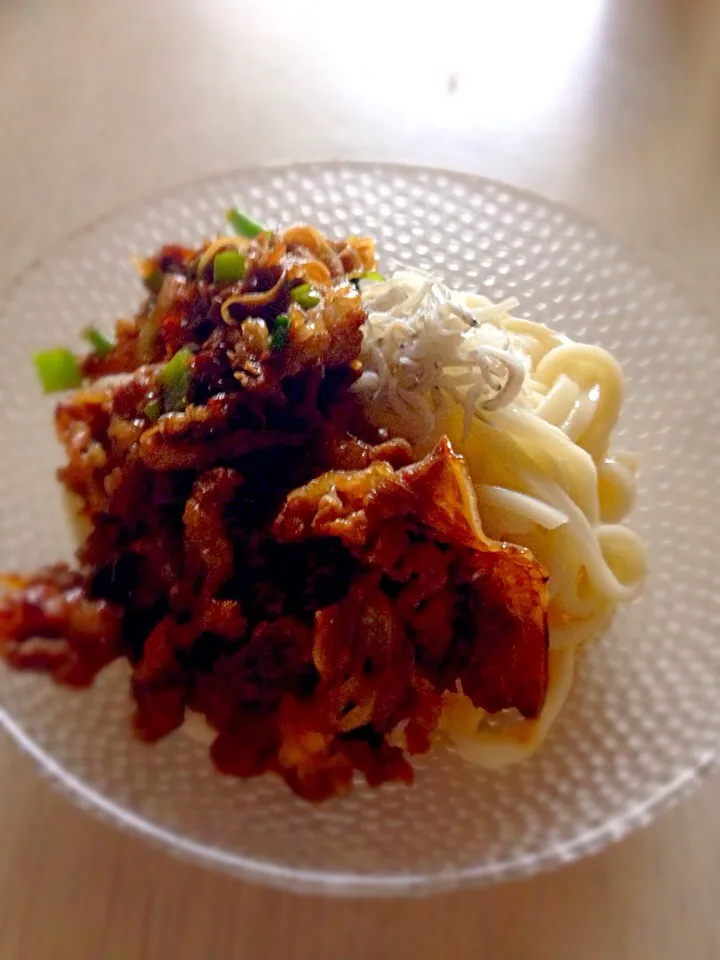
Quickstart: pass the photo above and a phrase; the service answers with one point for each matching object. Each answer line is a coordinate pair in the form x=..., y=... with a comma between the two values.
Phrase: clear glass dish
x=642, y=722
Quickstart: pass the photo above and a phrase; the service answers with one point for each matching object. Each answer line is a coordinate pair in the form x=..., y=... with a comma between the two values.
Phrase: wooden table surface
x=612, y=107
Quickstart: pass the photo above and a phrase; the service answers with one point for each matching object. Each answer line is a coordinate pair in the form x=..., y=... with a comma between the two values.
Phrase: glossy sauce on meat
x=311, y=593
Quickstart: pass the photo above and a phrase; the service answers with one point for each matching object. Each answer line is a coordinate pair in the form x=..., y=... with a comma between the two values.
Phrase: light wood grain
x=611, y=107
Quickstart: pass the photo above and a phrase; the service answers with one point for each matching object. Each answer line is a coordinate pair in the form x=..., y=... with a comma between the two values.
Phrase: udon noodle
x=532, y=412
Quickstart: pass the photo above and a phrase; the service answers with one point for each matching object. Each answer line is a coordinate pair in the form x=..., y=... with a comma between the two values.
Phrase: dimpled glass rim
x=503, y=241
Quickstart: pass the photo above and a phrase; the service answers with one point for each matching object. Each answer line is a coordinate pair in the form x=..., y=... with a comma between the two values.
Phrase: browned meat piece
x=208, y=545
x=340, y=450
x=419, y=527
x=47, y=622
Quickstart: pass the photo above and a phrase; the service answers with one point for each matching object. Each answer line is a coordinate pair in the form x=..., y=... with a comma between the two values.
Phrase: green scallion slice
x=228, y=267
x=98, y=341
x=281, y=332
x=242, y=225
x=152, y=410
x=304, y=296
x=57, y=369
x=373, y=275
x=175, y=380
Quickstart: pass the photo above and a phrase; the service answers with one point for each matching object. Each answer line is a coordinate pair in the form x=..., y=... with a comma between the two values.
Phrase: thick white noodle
x=537, y=451
x=495, y=749
x=536, y=510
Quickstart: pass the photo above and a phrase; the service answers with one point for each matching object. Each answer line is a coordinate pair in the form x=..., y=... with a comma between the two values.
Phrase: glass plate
x=642, y=721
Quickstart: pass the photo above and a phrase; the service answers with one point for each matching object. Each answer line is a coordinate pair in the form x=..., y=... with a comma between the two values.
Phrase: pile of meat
x=259, y=555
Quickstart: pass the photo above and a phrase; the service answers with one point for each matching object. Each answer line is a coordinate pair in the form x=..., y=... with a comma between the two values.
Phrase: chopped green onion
x=368, y=275
x=57, y=369
x=98, y=341
x=281, y=332
x=175, y=380
x=228, y=266
x=242, y=225
x=154, y=280
x=152, y=410
x=304, y=296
